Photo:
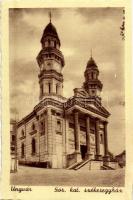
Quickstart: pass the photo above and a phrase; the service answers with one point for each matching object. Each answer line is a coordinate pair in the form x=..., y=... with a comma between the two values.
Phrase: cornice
x=48, y=74
x=74, y=101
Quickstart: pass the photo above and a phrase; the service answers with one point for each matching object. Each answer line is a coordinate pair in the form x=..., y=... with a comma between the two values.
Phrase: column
x=88, y=154
x=76, y=132
x=97, y=139
x=77, y=137
x=106, y=156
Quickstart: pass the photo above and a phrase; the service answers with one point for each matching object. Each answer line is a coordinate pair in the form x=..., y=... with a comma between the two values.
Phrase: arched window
x=92, y=75
x=89, y=75
x=48, y=42
x=22, y=150
x=13, y=138
x=42, y=127
x=95, y=76
x=22, y=133
x=49, y=87
x=33, y=127
x=58, y=125
x=54, y=44
x=41, y=89
x=33, y=146
x=56, y=88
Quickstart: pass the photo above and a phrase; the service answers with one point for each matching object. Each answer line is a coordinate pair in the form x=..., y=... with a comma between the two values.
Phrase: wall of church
x=58, y=138
x=32, y=132
x=30, y=135
x=62, y=140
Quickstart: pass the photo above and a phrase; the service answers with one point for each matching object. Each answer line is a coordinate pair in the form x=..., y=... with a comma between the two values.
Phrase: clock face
x=48, y=65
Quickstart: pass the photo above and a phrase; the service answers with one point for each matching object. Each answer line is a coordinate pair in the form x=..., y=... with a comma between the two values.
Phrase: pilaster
x=49, y=131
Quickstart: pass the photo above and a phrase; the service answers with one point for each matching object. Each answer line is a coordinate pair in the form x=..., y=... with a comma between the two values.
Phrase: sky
x=80, y=30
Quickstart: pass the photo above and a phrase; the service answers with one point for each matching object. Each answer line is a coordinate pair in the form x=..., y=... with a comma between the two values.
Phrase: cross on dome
x=50, y=16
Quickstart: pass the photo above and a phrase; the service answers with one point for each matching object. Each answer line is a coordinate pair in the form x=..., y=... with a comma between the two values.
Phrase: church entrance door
x=83, y=150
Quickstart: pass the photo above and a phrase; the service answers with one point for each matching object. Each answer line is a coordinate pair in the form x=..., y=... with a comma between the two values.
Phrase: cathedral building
x=61, y=132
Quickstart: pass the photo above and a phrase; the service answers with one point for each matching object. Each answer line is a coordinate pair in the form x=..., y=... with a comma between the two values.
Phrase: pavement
x=63, y=177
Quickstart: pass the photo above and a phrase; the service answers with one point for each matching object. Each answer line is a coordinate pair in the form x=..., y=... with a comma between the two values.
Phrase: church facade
x=61, y=132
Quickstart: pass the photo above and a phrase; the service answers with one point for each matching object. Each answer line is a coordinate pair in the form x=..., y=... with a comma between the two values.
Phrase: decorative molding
x=50, y=50
x=47, y=102
x=48, y=74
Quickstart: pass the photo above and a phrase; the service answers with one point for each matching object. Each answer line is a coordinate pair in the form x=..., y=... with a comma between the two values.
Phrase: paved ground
x=62, y=177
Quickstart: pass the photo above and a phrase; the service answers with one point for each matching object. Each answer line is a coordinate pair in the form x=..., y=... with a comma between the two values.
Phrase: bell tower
x=92, y=84
x=50, y=61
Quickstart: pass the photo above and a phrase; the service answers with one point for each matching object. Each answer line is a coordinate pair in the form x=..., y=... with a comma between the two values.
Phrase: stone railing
x=71, y=159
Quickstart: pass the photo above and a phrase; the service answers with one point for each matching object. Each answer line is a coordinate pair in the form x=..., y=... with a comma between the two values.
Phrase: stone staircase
x=90, y=165
x=73, y=166
x=82, y=164
x=78, y=165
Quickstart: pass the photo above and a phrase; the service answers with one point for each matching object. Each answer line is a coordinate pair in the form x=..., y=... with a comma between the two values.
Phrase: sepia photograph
x=67, y=96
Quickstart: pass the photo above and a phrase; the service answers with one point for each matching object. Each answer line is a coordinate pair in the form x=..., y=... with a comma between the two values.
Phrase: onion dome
x=91, y=76
x=50, y=30
x=91, y=63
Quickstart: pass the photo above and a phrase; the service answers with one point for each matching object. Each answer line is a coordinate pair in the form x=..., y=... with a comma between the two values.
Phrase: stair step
x=105, y=167
x=81, y=164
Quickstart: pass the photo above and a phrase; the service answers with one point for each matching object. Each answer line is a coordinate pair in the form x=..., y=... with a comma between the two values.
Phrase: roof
x=50, y=30
x=121, y=154
x=91, y=63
